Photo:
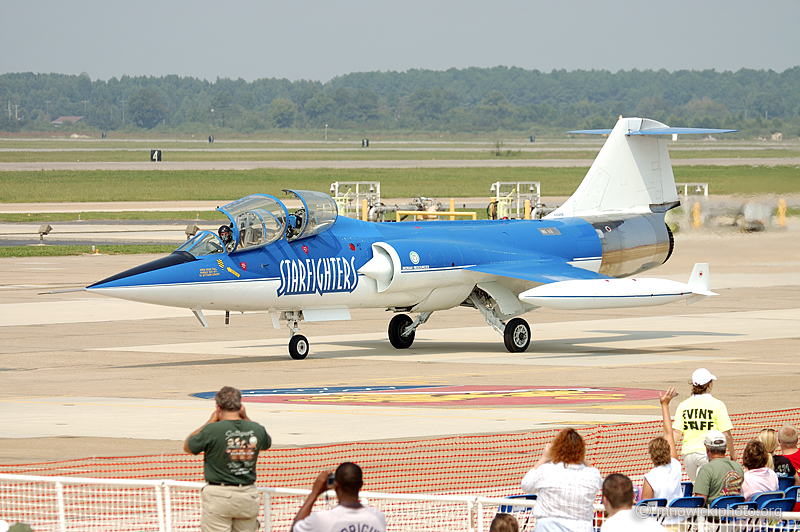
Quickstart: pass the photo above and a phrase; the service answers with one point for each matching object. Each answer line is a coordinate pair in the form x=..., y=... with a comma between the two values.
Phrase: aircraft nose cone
x=173, y=259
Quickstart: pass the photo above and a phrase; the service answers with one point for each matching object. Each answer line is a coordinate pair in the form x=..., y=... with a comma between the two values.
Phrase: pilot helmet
x=225, y=233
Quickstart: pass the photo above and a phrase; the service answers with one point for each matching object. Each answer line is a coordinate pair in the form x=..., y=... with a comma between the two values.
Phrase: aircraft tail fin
x=700, y=283
x=631, y=174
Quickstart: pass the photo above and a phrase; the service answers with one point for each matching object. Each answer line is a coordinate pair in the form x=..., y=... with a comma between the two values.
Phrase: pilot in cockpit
x=295, y=223
x=226, y=235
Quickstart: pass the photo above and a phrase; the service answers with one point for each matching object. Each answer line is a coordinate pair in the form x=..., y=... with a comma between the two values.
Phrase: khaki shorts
x=227, y=508
x=692, y=462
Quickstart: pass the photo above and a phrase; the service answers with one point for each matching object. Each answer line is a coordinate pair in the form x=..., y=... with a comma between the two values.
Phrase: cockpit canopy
x=260, y=219
x=317, y=215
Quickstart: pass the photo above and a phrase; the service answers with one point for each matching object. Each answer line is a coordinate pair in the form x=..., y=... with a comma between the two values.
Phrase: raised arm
x=664, y=398
x=319, y=487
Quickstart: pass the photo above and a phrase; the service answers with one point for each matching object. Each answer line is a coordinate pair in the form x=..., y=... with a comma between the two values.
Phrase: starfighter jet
x=309, y=264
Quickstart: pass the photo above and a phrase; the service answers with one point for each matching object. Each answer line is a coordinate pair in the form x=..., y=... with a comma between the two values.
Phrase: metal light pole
x=326, y=132
x=123, y=110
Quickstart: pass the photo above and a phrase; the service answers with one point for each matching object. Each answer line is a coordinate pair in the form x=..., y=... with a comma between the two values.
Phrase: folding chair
x=784, y=505
x=511, y=509
x=784, y=483
x=725, y=502
x=687, y=502
x=652, y=502
x=765, y=496
x=794, y=493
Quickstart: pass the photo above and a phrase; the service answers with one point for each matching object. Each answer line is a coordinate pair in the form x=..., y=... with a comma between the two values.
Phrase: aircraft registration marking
x=450, y=395
x=547, y=231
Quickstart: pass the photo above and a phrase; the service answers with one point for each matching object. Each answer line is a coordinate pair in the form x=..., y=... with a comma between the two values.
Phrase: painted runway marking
x=468, y=396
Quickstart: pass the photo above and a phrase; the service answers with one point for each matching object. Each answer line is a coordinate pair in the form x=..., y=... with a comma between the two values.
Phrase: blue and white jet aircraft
x=308, y=264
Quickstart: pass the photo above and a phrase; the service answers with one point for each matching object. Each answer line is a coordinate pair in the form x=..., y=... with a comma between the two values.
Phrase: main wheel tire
x=517, y=335
x=396, y=326
x=298, y=347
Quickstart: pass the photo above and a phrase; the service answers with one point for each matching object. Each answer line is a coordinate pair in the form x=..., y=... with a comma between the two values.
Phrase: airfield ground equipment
x=515, y=199
x=351, y=195
x=692, y=189
x=427, y=209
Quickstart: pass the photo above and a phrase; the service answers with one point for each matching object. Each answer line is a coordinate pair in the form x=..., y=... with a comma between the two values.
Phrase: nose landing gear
x=298, y=344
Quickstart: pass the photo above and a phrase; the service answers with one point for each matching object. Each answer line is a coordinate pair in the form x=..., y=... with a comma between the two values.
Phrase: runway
x=432, y=163
x=85, y=376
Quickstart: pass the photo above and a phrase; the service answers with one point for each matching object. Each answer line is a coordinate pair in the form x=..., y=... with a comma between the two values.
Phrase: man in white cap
x=720, y=476
x=696, y=417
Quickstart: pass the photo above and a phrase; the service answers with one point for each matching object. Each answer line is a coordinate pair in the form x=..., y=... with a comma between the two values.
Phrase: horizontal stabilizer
x=660, y=131
x=682, y=131
x=592, y=131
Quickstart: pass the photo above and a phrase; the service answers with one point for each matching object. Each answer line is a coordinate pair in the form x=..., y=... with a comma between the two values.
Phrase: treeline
x=456, y=100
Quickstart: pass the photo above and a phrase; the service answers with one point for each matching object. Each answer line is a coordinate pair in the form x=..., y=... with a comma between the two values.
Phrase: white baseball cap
x=702, y=376
x=714, y=438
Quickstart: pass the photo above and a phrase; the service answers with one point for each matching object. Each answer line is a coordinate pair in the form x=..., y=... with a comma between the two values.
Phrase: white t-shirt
x=627, y=521
x=666, y=481
x=343, y=519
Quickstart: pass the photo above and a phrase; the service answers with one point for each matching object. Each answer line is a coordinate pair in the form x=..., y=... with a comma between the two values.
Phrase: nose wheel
x=517, y=335
x=298, y=347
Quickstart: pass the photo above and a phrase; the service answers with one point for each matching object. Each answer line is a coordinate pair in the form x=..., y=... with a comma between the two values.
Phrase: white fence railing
x=63, y=504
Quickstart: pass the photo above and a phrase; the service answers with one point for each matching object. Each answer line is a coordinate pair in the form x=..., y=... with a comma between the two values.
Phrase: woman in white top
x=565, y=484
x=664, y=480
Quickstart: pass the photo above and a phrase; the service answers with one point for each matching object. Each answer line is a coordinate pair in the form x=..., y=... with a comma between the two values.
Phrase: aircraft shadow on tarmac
x=540, y=350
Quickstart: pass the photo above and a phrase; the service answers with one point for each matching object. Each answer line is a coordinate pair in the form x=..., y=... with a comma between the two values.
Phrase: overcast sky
x=299, y=39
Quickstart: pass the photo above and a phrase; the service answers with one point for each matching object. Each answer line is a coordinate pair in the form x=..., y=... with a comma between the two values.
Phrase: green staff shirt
x=231, y=449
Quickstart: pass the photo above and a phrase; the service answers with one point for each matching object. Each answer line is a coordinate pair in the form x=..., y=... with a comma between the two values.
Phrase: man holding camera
x=350, y=514
x=231, y=443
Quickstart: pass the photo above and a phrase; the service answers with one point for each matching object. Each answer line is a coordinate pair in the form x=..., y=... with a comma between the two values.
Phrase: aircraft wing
x=537, y=270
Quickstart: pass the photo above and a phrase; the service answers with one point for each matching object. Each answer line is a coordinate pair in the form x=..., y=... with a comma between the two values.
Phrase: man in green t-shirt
x=231, y=442
x=721, y=475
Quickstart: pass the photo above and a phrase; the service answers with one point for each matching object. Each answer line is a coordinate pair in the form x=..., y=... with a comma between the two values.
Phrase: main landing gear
x=516, y=332
x=402, y=329
x=517, y=335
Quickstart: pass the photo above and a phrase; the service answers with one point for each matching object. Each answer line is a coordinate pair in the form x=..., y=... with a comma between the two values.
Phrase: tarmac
x=87, y=376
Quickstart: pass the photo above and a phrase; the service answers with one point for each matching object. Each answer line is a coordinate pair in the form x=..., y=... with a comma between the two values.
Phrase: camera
x=330, y=481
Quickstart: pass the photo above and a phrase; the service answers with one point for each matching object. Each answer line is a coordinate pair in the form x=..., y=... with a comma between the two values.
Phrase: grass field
x=287, y=155
x=410, y=154
x=41, y=217
x=62, y=251
x=441, y=183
